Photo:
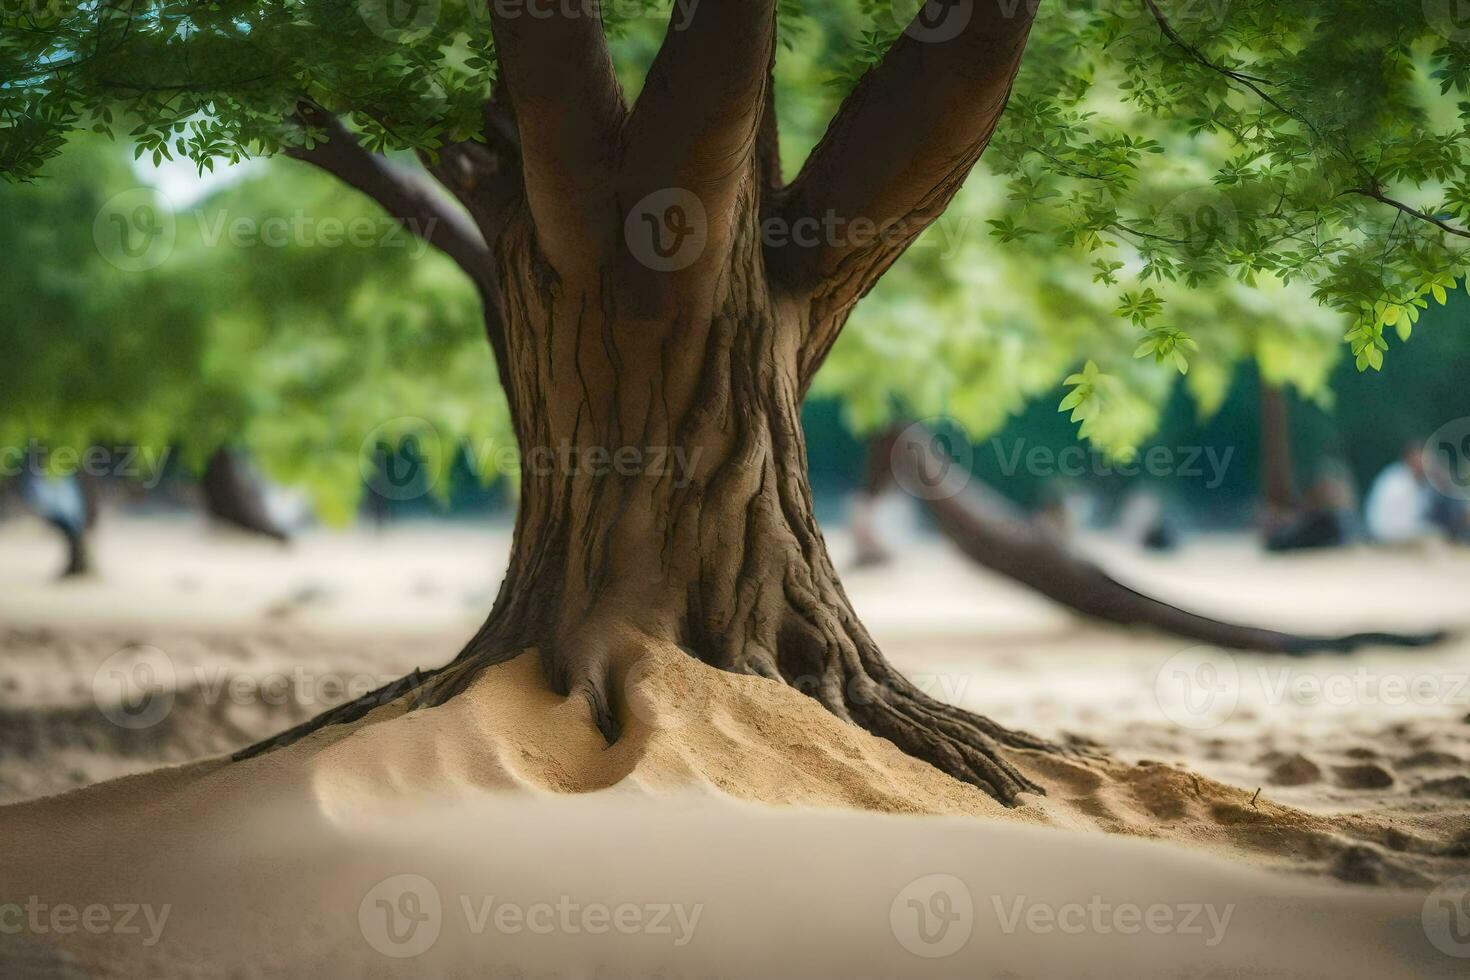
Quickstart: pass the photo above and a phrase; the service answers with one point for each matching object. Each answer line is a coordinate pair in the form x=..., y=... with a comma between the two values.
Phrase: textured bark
x=994, y=534
x=724, y=557
x=232, y=494
x=657, y=406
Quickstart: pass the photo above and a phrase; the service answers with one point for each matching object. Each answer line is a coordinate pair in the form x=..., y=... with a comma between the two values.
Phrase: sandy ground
x=1253, y=816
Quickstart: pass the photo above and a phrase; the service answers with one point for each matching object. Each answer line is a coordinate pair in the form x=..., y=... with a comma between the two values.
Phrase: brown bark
x=657, y=404
x=232, y=494
x=994, y=534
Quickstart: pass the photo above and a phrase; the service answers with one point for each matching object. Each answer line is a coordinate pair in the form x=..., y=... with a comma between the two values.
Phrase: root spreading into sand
x=770, y=837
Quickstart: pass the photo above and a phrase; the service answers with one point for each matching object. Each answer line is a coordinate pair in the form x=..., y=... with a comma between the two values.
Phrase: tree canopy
x=1174, y=186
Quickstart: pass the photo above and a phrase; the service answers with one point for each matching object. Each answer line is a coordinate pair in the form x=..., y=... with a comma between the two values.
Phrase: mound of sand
x=298, y=862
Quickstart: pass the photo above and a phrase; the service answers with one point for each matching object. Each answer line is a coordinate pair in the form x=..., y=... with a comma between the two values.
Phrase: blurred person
x=1449, y=514
x=61, y=501
x=1326, y=519
x=1145, y=519
x=1403, y=506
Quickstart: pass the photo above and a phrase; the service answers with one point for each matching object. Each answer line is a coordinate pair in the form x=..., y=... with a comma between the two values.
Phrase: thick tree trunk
x=232, y=494
x=654, y=349
x=994, y=534
x=664, y=495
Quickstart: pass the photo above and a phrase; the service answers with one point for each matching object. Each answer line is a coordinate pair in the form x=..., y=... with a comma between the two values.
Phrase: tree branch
x=1382, y=198
x=416, y=204
x=569, y=112
x=697, y=120
x=1253, y=84
x=895, y=154
x=484, y=175
x=409, y=199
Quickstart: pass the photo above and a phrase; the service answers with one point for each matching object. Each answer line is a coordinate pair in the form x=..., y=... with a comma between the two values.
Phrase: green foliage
x=290, y=316
x=1174, y=188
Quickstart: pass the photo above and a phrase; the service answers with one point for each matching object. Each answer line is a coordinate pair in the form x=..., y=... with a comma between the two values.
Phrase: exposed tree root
x=994, y=534
x=966, y=746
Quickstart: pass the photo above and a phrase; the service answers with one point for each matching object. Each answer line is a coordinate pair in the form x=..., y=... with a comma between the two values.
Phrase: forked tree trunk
x=639, y=316
x=232, y=494
x=664, y=494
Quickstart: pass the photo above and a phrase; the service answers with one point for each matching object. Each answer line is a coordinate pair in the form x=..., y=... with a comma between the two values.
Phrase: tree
x=645, y=288
x=995, y=534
